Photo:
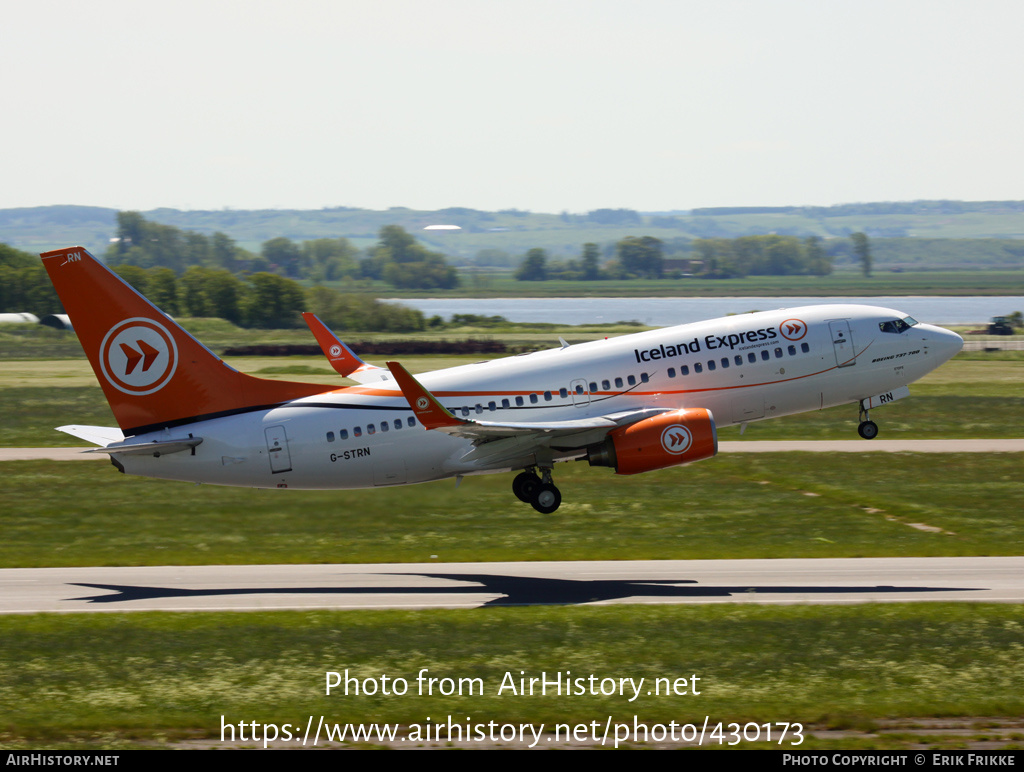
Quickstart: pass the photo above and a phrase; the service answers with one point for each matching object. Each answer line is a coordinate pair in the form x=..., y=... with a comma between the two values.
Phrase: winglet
x=341, y=357
x=431, y=413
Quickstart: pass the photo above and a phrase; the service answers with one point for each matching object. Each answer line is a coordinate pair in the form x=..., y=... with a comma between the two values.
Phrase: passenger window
x=697, y=368
x=751, y=357
x=738, y=360
x=631, y=380
x=778, y=353
x=618, y=383
x=492, y=406
x=398, y=423
x=465, y=411
x=792, y=351
x=330, y=436
x=563, y=393
x=370, y=429
x=711, y=364
x=593, y=387
x=606, y=385
x=505, y=404
x=765, y=355
x=547, y=396
x=644, y=377
x=684, y=370
x=725, y=361
x=343, y=434
x=411, y=421
x=805, y=347
x=357, y=432
x=519, y=401
x=579, y=388
x=671, y=372
x=384, y=426
x=533, y=399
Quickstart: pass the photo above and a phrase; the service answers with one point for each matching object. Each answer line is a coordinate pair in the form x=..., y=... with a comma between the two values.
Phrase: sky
x=544, y=105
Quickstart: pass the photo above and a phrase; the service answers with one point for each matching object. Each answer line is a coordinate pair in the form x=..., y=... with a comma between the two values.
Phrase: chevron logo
x=145, y=352
x=676, y=439
x=335, y=350
x=793, y=329
x=138, y=356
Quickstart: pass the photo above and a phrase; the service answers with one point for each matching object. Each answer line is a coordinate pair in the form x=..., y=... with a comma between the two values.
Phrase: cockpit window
x=898, y=325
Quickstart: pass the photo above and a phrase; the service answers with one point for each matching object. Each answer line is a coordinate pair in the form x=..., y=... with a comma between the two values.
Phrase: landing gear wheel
x=525, y=486
x=546, y=498
x=868, y=430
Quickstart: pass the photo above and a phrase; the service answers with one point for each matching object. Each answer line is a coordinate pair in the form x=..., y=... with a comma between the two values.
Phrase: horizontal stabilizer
x=159, y=448
x=97, y=435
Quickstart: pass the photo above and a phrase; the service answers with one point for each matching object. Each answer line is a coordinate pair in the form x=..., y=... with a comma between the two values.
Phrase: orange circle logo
x=793, y=329
x=138, y=356
x=676, y=439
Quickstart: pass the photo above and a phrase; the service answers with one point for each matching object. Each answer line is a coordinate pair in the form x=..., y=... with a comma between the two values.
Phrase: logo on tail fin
x=138, y=356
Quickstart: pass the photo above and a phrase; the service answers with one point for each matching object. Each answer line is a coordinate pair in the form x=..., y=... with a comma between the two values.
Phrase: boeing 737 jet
x=635, y=403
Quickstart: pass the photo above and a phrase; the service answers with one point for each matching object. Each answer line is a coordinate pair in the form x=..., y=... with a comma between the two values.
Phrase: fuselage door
x=277, y=448
x=580, y=393
x=842, y=342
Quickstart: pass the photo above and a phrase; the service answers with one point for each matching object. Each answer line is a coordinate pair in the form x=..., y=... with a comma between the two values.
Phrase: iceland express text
x=711, y=343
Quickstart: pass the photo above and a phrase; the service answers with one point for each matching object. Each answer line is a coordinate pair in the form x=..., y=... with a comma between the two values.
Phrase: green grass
x=840, y=284
x=977, y=395
x=734, y=506
x=118, y=676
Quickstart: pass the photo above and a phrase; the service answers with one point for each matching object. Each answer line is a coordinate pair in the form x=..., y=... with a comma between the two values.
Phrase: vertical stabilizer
x=153, y=373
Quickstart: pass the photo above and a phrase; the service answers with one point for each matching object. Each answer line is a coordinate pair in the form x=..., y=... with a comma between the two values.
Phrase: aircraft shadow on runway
x=514, y=590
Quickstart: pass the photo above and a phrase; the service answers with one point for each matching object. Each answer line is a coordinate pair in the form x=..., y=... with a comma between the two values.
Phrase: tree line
x=397, y=258
x=645, y=258
x=261, y=300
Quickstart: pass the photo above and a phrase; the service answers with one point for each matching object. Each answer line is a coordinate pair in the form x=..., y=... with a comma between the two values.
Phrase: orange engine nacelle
x=666, y=440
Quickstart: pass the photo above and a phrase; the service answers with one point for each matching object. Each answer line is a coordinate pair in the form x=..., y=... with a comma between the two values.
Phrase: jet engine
x=669, y=439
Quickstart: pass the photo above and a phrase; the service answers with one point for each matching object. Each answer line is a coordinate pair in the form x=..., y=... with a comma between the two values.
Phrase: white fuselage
x=742, y=368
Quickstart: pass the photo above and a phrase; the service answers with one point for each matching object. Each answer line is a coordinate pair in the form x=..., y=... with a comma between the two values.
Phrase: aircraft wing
x=433, y=415
x=341, y=357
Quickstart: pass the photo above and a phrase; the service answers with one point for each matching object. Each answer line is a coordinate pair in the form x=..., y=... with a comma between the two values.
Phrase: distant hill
x=514, y=231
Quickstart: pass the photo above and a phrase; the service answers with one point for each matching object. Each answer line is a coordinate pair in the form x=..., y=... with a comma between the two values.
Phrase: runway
x=478, y=585
x=735, y=446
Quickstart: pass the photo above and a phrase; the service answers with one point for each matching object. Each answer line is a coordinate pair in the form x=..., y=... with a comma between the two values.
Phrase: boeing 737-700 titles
x=635, y=403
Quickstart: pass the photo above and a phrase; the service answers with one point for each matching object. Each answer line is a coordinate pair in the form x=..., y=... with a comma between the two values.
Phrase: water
x=664, y=312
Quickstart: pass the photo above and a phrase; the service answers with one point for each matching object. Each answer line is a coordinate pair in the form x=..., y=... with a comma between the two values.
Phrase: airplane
x=635, y=403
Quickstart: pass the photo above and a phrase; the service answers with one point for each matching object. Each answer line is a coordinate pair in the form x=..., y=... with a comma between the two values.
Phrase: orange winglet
x=338, y=354
x=431, y=413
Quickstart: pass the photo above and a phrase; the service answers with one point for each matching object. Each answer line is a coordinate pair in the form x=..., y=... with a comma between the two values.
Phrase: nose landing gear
x=868, y=429
x=539, y=492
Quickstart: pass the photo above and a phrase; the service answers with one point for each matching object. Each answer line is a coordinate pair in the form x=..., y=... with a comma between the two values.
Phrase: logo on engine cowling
x=676, y=439
x=138, y=356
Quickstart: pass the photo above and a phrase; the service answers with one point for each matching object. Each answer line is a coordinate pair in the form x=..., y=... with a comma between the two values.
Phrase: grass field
x=130, y=680
x=840, y=284
x=976, y=395
x=776, y=505
x=114, y=680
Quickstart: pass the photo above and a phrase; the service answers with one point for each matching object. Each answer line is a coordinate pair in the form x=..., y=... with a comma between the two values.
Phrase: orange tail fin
x=153, y=373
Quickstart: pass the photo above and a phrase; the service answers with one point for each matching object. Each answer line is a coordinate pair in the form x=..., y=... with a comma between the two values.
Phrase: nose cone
x=943, y=344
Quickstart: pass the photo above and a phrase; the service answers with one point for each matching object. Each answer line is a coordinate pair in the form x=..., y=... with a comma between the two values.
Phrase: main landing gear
x=539, y=492
x=868, y=429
